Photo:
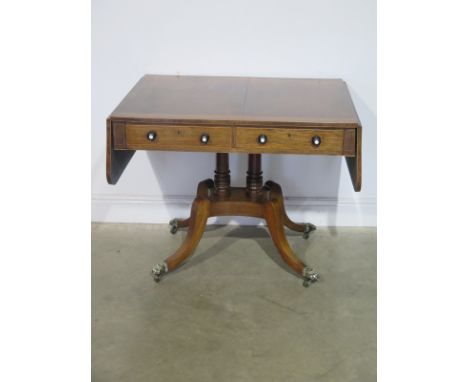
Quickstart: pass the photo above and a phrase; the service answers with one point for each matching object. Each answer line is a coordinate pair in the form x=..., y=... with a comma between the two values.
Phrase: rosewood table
x=236, y=115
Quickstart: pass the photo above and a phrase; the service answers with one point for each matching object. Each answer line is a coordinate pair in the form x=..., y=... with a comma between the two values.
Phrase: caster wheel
x=309, y=277
x=157, y=272
x=308, y=228
x=174, y=226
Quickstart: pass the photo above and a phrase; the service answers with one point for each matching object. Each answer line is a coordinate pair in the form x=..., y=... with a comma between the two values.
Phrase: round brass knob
x=151, y=136
x=316, y=141
x=204, y=138
x=262, y=139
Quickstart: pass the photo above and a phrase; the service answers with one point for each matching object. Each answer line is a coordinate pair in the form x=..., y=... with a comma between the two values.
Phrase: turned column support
x=222, y=179
x=254, y=175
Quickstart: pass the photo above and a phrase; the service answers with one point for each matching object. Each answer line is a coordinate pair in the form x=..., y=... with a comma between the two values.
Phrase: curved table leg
x=205, y=188
x=275, y=221
x=198, y=218
x=196, y=226
x=277, y=193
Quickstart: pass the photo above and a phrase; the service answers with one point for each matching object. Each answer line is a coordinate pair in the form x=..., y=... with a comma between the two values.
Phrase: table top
x=240, y=100
x=235, y=115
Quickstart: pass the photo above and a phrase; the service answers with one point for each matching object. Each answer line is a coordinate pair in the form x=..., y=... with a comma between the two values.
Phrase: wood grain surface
x=290, y=141
x=235, y=139
x=234, y=112
x=178, y=138
x=239, y=100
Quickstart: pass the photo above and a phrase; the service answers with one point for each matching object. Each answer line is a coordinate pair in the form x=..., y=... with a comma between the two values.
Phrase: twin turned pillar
x=222, y=178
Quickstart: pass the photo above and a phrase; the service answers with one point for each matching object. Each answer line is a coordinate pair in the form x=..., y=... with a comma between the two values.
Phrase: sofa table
x=236, y=115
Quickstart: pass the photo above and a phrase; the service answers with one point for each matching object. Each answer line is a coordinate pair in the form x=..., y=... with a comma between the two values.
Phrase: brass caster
x=309, y=276
x=174, y=225
x=157, y=271
x=308, y=228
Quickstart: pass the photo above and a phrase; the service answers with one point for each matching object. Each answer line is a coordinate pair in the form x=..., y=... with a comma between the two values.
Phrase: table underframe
x=216, y=197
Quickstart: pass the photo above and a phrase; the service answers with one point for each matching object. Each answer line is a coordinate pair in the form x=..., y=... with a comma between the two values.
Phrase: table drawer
x=173, y=137
x=296, y=141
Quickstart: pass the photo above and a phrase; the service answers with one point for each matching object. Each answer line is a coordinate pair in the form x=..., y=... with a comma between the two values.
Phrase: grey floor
x=233, y=312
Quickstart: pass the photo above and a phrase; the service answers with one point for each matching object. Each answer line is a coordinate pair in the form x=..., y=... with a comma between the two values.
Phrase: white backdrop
x=293, y=38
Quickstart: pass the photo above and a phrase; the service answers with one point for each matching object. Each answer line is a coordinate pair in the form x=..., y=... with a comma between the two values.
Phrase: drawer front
x=180, y=138
x=296, y=141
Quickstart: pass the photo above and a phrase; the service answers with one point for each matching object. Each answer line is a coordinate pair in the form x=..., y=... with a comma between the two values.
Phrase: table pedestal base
x=217, y=198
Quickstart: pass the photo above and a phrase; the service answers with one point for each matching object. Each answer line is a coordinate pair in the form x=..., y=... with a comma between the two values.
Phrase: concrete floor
x=233, y=312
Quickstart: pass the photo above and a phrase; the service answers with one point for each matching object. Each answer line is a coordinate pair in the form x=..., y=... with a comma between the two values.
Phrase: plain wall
x=314, y=38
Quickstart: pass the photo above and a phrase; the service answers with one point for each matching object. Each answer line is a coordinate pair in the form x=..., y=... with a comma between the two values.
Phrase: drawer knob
x=262, y=139
x=316, y=141
x=204, y=138
x=151, y=136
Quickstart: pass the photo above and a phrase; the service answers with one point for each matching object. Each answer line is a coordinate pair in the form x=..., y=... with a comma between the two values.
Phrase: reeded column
x=254, y=175
x=222, y=179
